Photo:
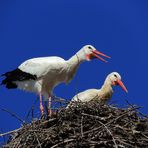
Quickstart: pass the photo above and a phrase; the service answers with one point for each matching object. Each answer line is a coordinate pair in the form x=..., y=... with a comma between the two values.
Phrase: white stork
x=41, y=75
x=103, y=94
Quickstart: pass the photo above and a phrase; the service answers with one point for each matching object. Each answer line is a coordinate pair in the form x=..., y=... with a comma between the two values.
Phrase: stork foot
x=42, y=109
x=49, y=112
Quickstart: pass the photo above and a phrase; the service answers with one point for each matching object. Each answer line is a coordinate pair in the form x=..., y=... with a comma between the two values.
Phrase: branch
x=14, y=115
x=112, y=120
x=82, y=126
x=106, y=129
x=10, y=132
x=39, y=144
x=66, y=141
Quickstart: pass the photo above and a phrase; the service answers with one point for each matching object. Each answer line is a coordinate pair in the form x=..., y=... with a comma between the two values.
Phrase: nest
x=85, y=125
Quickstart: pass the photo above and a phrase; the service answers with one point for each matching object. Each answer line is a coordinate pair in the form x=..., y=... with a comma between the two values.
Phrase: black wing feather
x=16, y=75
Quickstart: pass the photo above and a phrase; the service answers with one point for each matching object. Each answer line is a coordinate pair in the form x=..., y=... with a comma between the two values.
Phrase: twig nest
x=86, y=125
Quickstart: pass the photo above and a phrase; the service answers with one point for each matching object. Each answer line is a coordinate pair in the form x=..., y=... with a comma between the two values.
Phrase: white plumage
x=49, y=71
x=103, y=94
x=41, y=75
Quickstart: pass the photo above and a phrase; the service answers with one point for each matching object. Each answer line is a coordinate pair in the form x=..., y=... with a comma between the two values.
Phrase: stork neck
x=76, y=59
x=107, y=88
x=74, y=62
x=72, y=66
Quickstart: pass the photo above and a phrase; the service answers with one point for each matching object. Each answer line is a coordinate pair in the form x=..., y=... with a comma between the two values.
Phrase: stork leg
x=49, y=106
x=41, y=105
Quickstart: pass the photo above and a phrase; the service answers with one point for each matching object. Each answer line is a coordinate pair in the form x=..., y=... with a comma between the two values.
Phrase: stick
x=37, y=139
x=13, y=114
x=111, y=120
x=82, y=126
x=10, y=132
x=31, y=109
x=56, y=145
x=109, y=133
x=106, y=129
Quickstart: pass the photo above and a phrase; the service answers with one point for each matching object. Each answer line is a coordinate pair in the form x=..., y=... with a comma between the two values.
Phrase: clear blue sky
x=37, y=28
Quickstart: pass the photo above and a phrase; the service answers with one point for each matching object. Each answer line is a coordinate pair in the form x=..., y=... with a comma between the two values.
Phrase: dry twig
x=86, y=125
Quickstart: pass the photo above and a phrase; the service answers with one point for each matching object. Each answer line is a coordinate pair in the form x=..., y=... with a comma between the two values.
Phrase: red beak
x=97, y=53
x=122, y=85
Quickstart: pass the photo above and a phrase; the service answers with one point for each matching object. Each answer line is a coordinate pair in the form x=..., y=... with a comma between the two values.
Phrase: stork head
x=89, y=52
x=114, y=79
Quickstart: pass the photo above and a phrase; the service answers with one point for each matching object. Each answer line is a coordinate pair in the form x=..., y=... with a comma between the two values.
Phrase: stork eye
x=115, y=75
x=89, y=47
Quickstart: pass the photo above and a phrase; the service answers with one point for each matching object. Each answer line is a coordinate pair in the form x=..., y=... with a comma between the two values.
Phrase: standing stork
x=103, y=94
x=41, y=75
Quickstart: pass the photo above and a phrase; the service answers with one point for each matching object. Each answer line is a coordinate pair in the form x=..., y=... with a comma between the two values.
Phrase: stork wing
x=41, y=66
x=86, y=95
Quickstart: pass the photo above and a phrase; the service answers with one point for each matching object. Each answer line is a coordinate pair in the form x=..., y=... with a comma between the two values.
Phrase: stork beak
x=97, y=53
x=122, y=85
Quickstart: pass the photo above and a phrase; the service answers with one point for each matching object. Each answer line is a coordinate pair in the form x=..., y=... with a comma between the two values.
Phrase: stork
x=103, y=94
x=40, y=75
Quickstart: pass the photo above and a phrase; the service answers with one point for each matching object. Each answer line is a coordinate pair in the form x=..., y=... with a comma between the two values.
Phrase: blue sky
x=51, y=27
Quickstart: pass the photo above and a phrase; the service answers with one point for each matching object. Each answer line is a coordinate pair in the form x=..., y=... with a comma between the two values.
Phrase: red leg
x=49, y=106
x=41, y=105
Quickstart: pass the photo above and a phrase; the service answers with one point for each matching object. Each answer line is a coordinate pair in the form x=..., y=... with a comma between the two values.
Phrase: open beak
x=119, y=82
x=98, y=54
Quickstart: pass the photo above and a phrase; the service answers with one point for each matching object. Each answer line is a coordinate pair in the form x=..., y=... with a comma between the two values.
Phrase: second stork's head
x=114, y=79
x=88, y=52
